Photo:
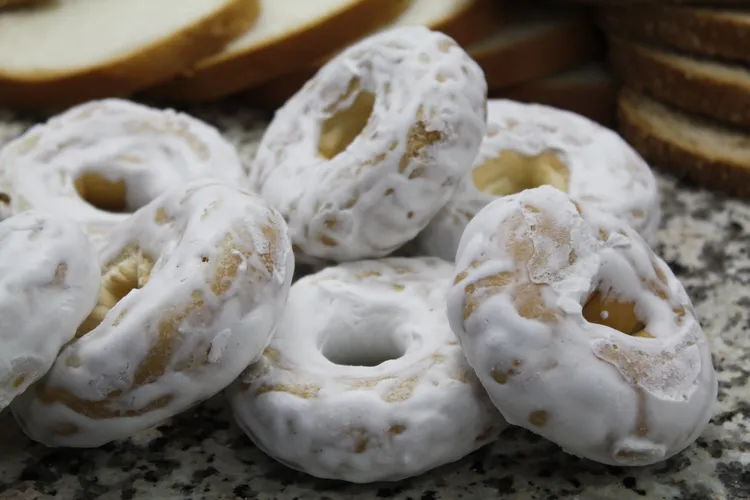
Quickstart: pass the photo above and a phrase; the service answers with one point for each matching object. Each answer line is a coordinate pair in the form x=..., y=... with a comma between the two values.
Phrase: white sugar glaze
x=602, y=169
x=49, y=282
x=149, y=150
x=424, y=130
x=306, y=405
x=528, y=266
x=212, y=265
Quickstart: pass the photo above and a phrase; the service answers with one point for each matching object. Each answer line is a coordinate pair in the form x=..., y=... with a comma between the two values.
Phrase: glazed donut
x=365, y=154
x=364, y=380
x=528, y=145
x=49, y=282
x=100, y=161
x=192, y=285
x=579, y=332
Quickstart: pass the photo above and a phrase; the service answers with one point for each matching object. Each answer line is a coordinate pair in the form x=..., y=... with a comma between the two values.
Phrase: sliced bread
x=537, y=42
x=720, y=33
x=466, y=21
x=696, y=149
x=463, y=20
x=55, y=54
x=588, y=90
x=13, y=3
x=714, y=89
x=287, y=35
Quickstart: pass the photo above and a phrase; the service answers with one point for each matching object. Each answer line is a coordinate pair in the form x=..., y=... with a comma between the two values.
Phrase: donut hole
x=340, y=130
x=103, y=193
x=511, y=172
x=130, y=271
x=605, y=309
x=364, y=345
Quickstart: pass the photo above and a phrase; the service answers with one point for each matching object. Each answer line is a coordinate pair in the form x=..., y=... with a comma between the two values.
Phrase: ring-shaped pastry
x=364, y=380
x=98, y=162
x=49, y=282
x=579, y=332
x=365, y=154
x=529, y=145
x=192, y=286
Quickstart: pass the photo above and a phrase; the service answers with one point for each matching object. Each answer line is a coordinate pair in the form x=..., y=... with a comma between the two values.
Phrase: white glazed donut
x=364, y=380
x=192, y=286
x=579, y=332
x=527, y=145
x=100, y=161
x=365, y=154
x=49, y=282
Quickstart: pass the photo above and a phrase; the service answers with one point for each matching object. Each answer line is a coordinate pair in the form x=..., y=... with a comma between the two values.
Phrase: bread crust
x=651, y=71
x=595, y=99
x=468, y=26
x=689, y=164
x=217, y=78
x=132, y=72
x=692, y=29
x=571, y=42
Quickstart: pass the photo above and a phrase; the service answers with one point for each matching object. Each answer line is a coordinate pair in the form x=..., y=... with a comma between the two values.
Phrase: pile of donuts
x=474, y=265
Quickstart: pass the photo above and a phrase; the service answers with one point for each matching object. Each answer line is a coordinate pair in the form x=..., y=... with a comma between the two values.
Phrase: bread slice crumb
x=56, y=54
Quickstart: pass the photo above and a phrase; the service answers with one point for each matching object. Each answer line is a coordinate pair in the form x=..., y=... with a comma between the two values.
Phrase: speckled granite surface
x=201, y=454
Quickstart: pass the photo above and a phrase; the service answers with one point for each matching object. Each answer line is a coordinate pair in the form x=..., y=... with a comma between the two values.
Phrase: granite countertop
x=705, y=238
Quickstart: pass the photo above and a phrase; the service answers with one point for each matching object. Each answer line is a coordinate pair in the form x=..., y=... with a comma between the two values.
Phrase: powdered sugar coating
x=150, y=150
x=526, y=266
x=421, y=137
x=604, y=171
x=49, y=282
x=421, y=408
x=213, y=266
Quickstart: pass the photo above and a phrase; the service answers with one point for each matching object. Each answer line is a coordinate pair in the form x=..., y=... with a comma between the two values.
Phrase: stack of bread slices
x=56, y=54
x=685, y=100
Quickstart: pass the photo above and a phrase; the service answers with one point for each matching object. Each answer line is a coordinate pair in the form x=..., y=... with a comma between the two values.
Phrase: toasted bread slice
x=720, y=33
x=463, y=20
x=588, y=90
x=708, y=154
x=288, y=34
x=537, y=42
x=716, y=90
x=55, y=54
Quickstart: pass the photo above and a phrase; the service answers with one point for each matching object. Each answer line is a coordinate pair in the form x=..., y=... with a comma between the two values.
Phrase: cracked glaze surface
x=705, y=239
